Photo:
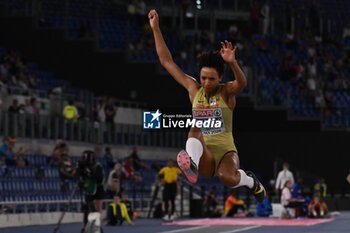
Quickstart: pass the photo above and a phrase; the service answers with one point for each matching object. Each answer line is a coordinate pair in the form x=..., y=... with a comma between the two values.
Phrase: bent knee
x=228, y=179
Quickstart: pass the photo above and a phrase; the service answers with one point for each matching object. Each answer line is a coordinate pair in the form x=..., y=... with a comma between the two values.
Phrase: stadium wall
x=16, y=220
x=45, y=147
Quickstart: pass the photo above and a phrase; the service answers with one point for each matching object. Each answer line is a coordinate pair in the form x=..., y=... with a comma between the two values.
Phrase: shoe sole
x=184, y=162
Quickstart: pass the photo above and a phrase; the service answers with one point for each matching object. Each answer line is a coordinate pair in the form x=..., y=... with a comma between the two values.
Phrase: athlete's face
x=210, y=79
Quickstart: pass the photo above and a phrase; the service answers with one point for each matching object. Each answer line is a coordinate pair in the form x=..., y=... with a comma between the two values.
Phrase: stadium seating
x=19, y=184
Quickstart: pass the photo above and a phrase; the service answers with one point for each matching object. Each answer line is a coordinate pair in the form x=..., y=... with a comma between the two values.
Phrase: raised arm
x=232, y=88
x=166, y=59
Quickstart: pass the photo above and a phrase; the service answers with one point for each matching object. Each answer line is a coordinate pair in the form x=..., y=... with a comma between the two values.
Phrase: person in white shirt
x=290, y=203
x=265, y=15
x=286, y=195
x=282, y=177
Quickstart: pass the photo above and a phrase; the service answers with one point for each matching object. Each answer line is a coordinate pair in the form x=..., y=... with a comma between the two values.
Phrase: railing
x=56, y=127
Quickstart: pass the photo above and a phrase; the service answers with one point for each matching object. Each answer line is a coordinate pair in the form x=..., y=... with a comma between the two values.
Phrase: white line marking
x=186, y=229
x=239, y=230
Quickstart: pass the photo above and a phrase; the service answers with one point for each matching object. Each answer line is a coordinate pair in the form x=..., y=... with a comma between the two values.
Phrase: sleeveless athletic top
x=218, y=140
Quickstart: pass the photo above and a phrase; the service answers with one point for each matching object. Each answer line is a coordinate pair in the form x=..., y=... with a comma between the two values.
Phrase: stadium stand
x=36, y=188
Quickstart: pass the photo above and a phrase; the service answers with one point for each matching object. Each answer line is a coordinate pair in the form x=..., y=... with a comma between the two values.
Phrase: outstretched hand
x=153, y=19
x=228, y=52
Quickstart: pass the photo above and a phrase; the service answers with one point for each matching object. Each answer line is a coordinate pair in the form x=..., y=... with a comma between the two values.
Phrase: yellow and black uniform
x=70, y=112
x=219, y=140
x=170, y=186
x=117, y=213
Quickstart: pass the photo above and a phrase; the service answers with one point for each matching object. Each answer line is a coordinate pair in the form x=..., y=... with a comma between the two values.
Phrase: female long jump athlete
x=210, y=151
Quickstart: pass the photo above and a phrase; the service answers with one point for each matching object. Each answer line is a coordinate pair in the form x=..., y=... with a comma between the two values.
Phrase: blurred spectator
x=233, y=204
x=56, y=98
x=81, y=110
x=70, y=112
x=346, y=31
x=320, y=188
x=282, y=177
x=66, y=171
x=311, y=83
x=34, y=104
x=317, y=208
x=117, y=213
x=297, y=189
x=264, y=208
x=265, y=16
x=233, y=33
x=348, y=178
x=319, y=100
x=110, y=111
x=23, y=83
x=210, y=206
x=299, y=69
x=136, y=161
x=32, y=81
x=108, y=157
x=128, y=205
x=101, y=110
x=115, y=181
x=169, y=181
x=94, y=116
x=329, y=103
x=28, y=108
x=60, y=149
x=128, y=170
x=59, y=90
x=14, y=108
x=21, y=109
x=12, y=158
x=132, y=8
x=342, y=83
x=312, y=68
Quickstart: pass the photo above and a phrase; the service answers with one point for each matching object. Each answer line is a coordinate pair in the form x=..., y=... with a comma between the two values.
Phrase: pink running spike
x=184, y=162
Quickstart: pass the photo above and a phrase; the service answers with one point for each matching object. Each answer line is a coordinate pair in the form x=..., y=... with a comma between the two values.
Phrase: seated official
x=290, y=203
x=117, y=213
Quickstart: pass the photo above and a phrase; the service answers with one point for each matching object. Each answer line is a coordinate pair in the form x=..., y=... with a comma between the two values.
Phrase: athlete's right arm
x=166, y=59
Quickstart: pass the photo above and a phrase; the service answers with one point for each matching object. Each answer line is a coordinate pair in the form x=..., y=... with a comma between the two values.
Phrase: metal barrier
x=54, y=127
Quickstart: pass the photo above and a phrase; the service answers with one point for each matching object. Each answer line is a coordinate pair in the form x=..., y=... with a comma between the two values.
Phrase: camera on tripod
x=83, y=164
x=84, y=172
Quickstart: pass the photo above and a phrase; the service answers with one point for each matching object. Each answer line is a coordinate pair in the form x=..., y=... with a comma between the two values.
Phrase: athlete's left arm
x=232, y=88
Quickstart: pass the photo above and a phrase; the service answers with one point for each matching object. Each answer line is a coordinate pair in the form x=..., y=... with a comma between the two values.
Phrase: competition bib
x=212, y=120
